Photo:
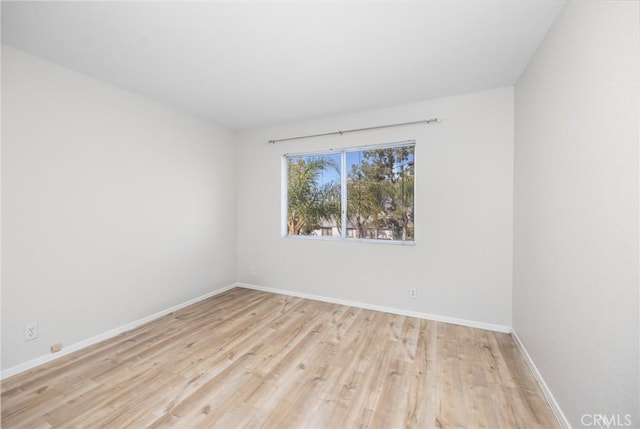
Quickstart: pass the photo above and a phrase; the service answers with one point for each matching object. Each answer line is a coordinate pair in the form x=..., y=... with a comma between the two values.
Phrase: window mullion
x=343, y=192
x=285, y=197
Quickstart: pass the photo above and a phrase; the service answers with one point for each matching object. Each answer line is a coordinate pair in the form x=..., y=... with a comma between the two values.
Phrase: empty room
x=398, y=214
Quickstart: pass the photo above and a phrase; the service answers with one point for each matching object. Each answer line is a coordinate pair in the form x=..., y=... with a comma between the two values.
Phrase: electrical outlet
x=413, y=293
x=31, y=332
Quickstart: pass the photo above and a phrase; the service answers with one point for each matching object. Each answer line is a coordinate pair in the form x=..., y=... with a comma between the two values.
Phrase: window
x=362, y=193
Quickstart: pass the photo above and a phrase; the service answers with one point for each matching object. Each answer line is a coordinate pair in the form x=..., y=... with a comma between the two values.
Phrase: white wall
x=576, y=210
x=114, y=206
x=461, y=263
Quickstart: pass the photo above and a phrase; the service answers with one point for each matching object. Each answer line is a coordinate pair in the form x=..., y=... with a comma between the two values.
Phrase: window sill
x=350, y=240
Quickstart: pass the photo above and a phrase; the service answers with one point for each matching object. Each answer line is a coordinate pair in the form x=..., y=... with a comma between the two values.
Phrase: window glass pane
x=380, y=190
x=313, y=195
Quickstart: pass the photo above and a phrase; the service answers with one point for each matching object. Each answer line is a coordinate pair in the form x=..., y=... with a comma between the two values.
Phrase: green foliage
x=309, y=201
x=380, y=193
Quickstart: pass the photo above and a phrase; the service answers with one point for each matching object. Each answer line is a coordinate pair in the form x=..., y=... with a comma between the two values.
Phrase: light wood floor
x=253, y=359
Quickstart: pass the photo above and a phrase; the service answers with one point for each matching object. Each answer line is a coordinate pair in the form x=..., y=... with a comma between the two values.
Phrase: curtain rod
x=400, y=124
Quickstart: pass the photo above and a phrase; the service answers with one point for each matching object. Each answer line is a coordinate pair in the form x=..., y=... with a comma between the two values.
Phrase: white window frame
x=343, y=193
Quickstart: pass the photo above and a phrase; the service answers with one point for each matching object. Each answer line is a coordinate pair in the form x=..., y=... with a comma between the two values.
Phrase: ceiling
x=250, y=64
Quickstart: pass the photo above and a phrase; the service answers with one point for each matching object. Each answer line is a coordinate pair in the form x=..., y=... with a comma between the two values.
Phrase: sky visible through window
x=332, y=174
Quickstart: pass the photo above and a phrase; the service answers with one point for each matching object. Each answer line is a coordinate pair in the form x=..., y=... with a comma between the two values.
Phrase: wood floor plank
x=253, y=359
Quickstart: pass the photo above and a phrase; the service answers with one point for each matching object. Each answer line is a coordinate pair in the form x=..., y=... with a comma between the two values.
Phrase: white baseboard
x=101, y=337
x=557, y=411
x=401, y=312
